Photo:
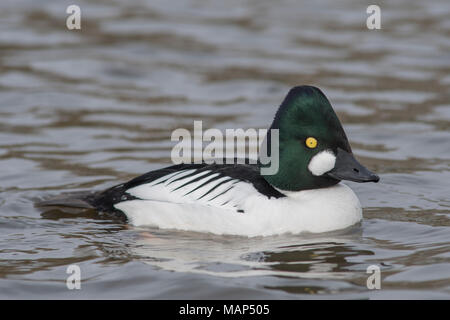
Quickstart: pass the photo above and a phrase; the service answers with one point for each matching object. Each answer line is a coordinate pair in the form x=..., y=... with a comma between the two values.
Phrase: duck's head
x=313, y=149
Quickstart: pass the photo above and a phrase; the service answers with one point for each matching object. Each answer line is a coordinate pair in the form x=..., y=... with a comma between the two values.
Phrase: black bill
x=348, y=168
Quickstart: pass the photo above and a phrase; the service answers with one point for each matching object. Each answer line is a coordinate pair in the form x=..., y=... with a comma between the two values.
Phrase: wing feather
x=217, y=185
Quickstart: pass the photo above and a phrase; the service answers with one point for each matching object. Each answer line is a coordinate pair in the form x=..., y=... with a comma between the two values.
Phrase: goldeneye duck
x=305, y=195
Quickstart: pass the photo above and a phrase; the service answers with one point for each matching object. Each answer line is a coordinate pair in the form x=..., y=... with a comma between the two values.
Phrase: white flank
x=322, y=162
x=318, y=210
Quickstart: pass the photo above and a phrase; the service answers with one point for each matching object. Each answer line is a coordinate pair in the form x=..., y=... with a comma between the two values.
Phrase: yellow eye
x=311, y=142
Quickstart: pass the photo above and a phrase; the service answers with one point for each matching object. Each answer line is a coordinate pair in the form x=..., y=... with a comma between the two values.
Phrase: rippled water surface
x=85, y=110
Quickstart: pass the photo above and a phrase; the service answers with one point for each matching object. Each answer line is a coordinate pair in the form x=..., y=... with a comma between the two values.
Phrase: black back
x=104, y=201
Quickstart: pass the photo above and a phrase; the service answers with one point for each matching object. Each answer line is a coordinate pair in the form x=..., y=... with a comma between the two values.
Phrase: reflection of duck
x=305, y=194
x=321, y=256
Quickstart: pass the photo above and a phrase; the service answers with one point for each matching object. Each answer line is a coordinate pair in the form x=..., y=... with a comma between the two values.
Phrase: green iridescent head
x=313, y=148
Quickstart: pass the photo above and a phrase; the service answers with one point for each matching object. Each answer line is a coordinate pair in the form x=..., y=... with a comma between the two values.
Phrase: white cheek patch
x=322, y=162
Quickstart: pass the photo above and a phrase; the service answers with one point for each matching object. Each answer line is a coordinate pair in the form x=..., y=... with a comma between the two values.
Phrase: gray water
x=85, y=110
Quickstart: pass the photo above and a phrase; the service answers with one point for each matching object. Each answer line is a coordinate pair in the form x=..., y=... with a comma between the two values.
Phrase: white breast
x=318, y=210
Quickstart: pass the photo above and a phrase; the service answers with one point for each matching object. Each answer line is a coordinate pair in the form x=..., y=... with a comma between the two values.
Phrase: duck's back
x=213, y=185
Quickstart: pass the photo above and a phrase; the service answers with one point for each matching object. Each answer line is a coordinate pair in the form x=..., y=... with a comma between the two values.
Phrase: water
x=85, y=110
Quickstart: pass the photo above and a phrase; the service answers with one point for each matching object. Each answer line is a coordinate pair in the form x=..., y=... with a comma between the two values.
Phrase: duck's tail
x=71, y=200
x=83, y=200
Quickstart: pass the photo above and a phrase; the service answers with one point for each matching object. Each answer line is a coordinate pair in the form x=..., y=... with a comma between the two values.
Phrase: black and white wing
x=217, y=185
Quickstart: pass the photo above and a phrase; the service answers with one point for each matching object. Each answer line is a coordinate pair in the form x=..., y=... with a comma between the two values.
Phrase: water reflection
x=306, y=256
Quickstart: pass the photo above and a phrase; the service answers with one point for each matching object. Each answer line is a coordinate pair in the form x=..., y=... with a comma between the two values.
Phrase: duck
x=305, y=194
